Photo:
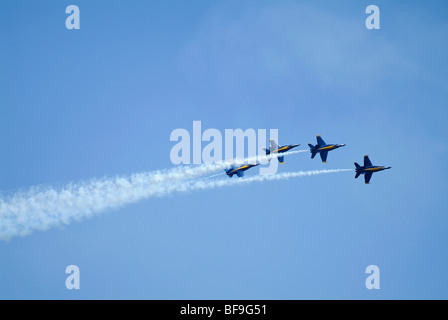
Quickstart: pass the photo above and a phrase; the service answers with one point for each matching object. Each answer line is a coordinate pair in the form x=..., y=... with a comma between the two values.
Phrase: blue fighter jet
x=275, y=148
x=322, y=148
x=239, y=171
x=368, y=169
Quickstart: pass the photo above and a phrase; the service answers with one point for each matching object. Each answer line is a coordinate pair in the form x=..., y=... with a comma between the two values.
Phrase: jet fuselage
x=282, y=149
x=322, y=148
x=239, y=171
x=327, y=147
x=367, y=169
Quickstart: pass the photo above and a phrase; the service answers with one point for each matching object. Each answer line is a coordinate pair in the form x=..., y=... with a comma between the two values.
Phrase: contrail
x=187, y=172
x=42, y=208
x=207, y=184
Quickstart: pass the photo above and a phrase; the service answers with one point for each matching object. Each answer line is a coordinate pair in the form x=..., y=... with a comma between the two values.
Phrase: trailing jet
x=368, y=169
x=322, y=148
x=275, y=148
x=239, y=171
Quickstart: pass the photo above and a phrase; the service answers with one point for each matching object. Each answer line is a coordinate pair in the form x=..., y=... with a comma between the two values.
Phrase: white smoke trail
x=207, y=184
x=264, y=158
x=187, y=172
x=40, y=209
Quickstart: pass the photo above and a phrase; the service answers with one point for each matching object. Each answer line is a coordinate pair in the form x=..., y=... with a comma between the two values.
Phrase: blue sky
x=103, y=100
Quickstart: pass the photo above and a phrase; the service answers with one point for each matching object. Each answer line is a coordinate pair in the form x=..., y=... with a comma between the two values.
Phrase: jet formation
x=321, y=147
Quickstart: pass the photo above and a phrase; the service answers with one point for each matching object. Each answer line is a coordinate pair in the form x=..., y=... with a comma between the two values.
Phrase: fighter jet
x=275, y=148
x=322, y=148
x=239, y=171
x=368, y=169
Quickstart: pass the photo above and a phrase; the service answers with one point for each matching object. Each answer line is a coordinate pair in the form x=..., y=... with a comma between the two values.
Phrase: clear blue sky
x=103, y=100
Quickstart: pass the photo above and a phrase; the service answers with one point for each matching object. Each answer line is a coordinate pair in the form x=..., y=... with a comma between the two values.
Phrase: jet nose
x=342, y=145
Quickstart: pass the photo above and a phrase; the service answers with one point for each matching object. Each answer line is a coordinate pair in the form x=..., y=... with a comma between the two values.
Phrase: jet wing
x=281, y=159
x=367, y=177
x=274, y=146
x=323, y=155
x=240, y=174
x=320, y=141
x=367, y=162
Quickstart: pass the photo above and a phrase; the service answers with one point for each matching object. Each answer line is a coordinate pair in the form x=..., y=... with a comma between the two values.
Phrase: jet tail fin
x=357, y=175
x=313, y=154
x=357, y=166
x=228, y=171
x=274, y=145
x=266, y=151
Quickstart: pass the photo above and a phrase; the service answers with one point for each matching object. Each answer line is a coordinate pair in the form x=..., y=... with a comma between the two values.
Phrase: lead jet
x=239, y=171
x=322, y=148
x=368, y=169
x=275, y=148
